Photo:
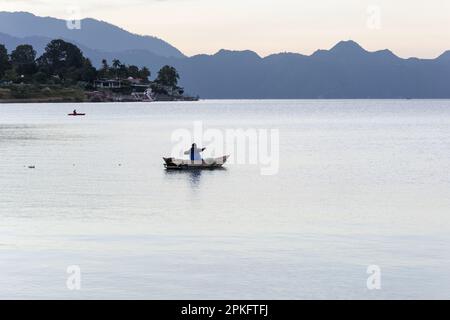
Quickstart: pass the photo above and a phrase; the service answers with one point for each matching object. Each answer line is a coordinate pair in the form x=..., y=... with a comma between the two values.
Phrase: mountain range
x=345, y=71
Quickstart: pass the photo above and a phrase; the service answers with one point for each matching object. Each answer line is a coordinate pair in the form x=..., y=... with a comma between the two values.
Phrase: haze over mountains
x=345, y=71
x=94, y=34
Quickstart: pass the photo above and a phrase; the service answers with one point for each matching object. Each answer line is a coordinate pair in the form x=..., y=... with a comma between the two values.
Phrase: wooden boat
x=178, y=164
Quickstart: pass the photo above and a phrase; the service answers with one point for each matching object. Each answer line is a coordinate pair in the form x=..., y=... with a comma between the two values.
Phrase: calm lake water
x=360, y=183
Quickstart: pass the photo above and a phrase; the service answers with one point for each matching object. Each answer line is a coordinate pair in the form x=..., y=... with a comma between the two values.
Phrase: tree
x=11, y=75
x=23, y=60
x=62, y=59
x=123, y=71
x=105, y=64
x=116, y=65
x=133, y=71
x=40, y=77
x=104, y=71
x=168, y=76
x=144, y=74
x=88, y=72
x=4, y=61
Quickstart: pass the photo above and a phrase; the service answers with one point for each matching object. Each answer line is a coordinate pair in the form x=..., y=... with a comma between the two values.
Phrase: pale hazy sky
x=408, y=27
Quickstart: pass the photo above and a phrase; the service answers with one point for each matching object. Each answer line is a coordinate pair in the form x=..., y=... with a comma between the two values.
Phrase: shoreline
x=24, y=101
x=57, y=101
x=65, y=100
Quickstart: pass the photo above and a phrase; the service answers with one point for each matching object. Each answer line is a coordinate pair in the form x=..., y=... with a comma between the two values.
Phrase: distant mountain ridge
x=345, y=71
x=139, y=57
x=445, y=56
x=94, y=34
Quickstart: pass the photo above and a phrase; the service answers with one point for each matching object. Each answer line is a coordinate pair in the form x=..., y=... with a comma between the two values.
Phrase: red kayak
x=76, y=114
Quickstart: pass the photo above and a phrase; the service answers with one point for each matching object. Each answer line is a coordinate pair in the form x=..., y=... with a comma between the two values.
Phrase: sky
x=410, y=28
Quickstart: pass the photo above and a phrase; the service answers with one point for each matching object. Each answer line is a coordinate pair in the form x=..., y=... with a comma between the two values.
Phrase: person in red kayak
x=194, y=153
x=74, y=112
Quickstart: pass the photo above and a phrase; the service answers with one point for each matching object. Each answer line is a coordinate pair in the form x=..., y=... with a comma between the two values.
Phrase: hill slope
x=345, y=71
x=94, y=34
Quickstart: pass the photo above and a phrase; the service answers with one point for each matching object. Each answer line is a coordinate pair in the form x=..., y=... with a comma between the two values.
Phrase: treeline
x=63, y=63
x=121, y=71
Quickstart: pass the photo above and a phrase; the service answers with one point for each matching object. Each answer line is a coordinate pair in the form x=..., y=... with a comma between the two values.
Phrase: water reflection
x=194, y=176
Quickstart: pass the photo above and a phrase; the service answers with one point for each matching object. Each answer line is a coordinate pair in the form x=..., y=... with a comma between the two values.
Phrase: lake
x=359, y=183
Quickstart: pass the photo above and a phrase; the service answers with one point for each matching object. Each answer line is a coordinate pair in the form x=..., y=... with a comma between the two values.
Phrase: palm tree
x=105, y=64
x=104, y=72
x=116, y=65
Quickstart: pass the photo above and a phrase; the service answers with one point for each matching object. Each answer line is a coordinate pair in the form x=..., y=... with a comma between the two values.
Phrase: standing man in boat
x=194, y=152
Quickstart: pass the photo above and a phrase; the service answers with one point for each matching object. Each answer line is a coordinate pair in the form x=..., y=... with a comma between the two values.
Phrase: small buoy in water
x=120, y=164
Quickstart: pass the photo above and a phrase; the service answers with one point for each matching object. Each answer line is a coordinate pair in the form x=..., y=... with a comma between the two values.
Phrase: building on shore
x=108, y=84
x=135, y=89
